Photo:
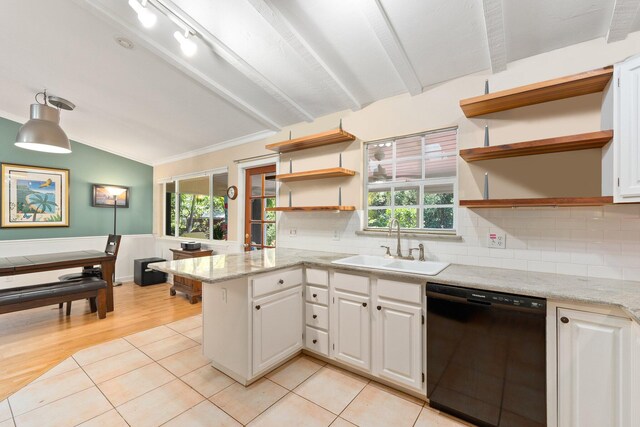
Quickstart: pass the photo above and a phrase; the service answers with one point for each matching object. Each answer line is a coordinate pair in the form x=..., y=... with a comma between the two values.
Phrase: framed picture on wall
x=102, y=196
x=33, y=196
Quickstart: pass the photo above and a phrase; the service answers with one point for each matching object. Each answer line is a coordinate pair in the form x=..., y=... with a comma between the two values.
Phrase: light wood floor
x=33, y=341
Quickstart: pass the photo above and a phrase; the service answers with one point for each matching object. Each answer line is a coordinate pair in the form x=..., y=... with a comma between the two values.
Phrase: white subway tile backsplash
x=586, y=241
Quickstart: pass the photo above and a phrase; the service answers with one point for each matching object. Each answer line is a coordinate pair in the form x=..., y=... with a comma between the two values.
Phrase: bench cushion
x=46, y=290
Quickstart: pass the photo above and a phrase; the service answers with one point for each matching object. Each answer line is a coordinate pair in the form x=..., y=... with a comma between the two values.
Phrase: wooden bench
x=26, y=297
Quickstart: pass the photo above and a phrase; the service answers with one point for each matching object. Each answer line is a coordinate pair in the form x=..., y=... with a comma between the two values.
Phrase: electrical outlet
x=336, y=235
x=293, y=232
x=497, y=240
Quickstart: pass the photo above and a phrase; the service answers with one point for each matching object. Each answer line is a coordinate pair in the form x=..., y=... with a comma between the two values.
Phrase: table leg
x=107, y=275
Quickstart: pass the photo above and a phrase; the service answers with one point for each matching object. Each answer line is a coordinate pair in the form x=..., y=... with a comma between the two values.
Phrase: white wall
x=132, y=247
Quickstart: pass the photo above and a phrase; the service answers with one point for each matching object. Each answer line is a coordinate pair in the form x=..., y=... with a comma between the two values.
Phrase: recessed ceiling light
x=124, y=42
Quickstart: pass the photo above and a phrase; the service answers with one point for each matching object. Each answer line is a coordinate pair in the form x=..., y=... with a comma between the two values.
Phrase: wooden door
x=398, y=344
x=260, y=193
x=352, y=332
x=277, y=328
x=594, y=367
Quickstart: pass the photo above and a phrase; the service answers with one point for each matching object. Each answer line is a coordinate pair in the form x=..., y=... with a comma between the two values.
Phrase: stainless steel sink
x=427, y=268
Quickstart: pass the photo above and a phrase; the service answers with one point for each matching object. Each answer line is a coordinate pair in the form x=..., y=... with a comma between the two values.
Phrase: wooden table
x=192, y=288
x=11, y=266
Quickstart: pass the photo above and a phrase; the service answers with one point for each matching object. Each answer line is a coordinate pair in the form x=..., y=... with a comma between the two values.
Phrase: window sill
x=419, y=235
x=205, y=242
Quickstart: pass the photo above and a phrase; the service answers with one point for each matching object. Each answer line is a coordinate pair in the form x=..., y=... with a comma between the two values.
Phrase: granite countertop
x=619, y=293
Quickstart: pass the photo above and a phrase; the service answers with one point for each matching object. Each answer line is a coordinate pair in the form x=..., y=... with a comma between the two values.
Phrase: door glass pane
x=194, y=208
x=256, y=209
x=270, y=234
x=256, y=234
x=270, y=184
x=270, y=216
x=406, y=197
x=256, y=185
x=379, y=197
x=379, y=217
x=438, y=218
x=407, y=217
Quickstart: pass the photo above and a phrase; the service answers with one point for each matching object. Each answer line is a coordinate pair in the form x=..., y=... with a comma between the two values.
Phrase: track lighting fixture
x=187, y=45
x=145, y=16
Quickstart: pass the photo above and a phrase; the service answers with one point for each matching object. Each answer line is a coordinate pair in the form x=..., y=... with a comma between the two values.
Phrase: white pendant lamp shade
x=42, y=132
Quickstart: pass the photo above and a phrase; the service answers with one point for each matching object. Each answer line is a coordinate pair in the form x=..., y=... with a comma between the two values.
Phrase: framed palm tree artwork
x=33, y=196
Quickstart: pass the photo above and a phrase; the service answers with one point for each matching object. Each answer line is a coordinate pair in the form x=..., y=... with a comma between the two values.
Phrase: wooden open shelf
x=552, y=201
x=582, y=141
x=536, y=93
x=315, y=174
x=325, y=138
x=311, y=208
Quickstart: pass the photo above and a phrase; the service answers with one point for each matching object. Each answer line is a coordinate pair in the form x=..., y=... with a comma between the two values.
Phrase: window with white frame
x=195, y=206
x=412, y=178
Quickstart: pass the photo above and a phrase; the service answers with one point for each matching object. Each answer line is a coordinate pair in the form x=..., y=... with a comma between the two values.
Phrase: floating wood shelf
x=315, y=174
x=536, y=93
x=325, y=138
x=311, y=208
x=553, y=201
x=582, y=141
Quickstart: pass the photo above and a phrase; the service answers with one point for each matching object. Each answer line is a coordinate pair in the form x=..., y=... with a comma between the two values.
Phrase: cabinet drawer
x=317, y=295
x=317, y=316
x=401, y=291
x=276, y=281
x=317, y=277
x=351, y=283
x=317, y=340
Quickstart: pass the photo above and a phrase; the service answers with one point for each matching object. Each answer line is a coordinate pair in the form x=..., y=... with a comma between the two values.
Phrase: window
x=413, y=179
x=196, y=207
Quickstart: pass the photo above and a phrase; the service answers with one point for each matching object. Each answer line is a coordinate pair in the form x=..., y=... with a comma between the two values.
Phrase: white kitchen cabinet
x=627, y=130
x=397, y=349
x=595, y=370
x=352, y=329
x=277, y=327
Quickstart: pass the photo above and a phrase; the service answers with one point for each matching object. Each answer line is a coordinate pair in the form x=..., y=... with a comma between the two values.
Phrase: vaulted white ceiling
x=264, y=64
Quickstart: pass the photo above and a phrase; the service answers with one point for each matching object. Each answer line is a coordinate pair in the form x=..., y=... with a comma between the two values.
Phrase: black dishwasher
x=486, y=358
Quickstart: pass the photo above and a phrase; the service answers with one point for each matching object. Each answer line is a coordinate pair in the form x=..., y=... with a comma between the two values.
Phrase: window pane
x=170, y=209
x=407, y=170
x=256, y=185
x=407, y=217
x=438, y=218
x=270, y=234
x=438, y=194
x=380, y=158
x=194, y=208
x=219, y=206
x=256, y=209
x=409, y=147
x=270, y=185
x=379, y=197
x=407, y=197
x=379, y=217
x=270, y=216
x=440, y=154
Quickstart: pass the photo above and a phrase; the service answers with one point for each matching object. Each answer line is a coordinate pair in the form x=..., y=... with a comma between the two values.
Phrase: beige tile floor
x=159, y=377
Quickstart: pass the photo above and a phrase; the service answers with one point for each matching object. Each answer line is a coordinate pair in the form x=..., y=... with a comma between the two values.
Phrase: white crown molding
x=217, y=147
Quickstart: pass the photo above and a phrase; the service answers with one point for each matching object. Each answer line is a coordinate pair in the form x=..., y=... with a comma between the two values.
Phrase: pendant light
x=43, y=132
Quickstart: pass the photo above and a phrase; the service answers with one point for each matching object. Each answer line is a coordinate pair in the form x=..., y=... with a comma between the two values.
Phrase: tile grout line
x=99, y=390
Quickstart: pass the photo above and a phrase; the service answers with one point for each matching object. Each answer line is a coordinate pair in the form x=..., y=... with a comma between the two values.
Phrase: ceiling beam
x=181, y=64
x=624, y=14
x=236, y=60
x=494, y=27
x=386, y=34
x=283, y=27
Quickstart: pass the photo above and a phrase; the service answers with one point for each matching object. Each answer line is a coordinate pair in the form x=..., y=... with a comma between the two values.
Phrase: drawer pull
x=315, y=295
x=315, y=341
x=379, y=307
x=281, y=282
x=315, y=316
x=257, y=307
x=564, y=319
x=364, y=304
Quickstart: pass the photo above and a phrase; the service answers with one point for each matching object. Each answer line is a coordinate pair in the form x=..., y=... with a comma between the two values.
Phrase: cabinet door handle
x=315, y=295
x=379, y=307
x=281, y=282
x=364, y=304
x=257, y=307
x=564, y=319
x=315, y=316
x=315, y=341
